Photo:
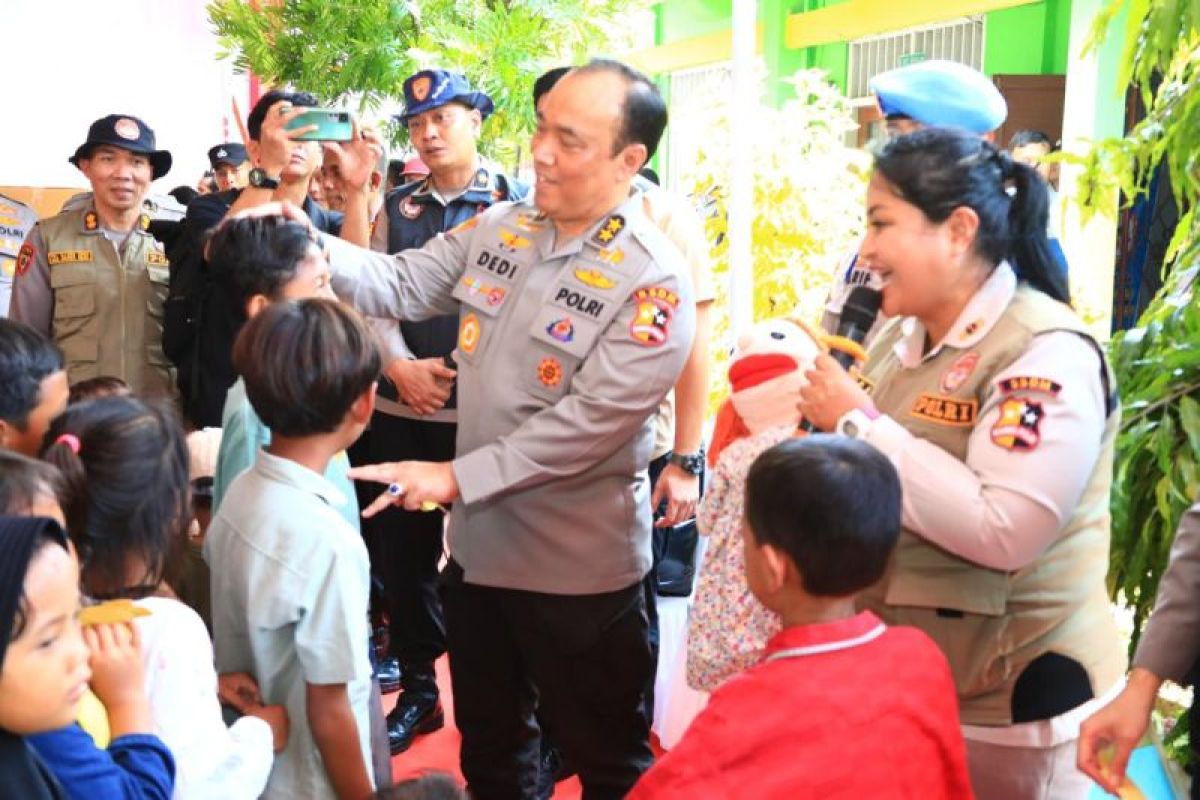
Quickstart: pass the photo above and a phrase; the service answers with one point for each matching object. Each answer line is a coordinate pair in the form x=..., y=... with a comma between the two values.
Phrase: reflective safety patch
x=651, y=321
x=1028, y=384
x=594, y=278
x=958, y=373
x=512, y=242
x=157, y=259
x=1019, y=425
x=609, y=230
x=562, y=330
x=70, y=257
x=953, y=411
x=24, y=259
x=550, y=372
x=468, y=334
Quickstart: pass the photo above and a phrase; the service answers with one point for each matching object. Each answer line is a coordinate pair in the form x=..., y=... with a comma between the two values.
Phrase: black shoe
x=388, y=673
x=411, y=716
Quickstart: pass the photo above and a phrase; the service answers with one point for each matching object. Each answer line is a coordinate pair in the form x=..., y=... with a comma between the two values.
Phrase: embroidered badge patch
x=157, y=259
x=550, y=372
x=611, y=255
x=69, y=257
x=493, y=295
x=1026, y=384
x=468, y=334
x=24, y=259
x=530, y=223
x=127, y=129
x=481, y=179
x=651, y=321
x=512, y=242
x=420, y=87
x=561, y=330
x=411, y=210
x=594, y=278
x=90, y=221
x=609, y=230
x=953, y=411
x=958, y=373
x=144, y=222
x=1019, y=425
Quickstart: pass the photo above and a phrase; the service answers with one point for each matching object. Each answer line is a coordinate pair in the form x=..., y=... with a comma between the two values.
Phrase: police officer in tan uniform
x=94, y=279
x=575, y=319
x=997, y=407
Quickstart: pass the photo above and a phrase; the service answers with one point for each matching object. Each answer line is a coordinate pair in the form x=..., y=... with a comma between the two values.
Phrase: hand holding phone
x=326, y=125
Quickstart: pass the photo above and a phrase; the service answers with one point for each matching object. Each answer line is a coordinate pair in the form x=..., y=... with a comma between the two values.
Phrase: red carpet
x=439, y=751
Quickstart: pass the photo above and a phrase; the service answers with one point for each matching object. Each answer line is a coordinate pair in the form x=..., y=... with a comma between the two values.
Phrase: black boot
x=418, y=709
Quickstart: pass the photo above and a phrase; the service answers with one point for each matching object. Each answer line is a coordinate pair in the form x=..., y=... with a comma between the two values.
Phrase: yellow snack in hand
x=430, y=505
x=111, y=612
x=93, y=718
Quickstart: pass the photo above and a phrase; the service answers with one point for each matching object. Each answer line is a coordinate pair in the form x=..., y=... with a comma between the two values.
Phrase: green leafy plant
x=1157, y=363
x=360, y=51
x=808, y=200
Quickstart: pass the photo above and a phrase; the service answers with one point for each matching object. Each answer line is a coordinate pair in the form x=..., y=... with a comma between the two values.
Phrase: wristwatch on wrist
x=691, y=463
x=260, y=180
x=856, y=422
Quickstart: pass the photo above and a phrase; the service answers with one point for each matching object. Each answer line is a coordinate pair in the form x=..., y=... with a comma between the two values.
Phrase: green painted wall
x=1012, y=45
x=683, y=19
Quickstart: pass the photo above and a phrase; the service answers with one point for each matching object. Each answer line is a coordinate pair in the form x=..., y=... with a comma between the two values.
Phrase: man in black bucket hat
x=93, y=278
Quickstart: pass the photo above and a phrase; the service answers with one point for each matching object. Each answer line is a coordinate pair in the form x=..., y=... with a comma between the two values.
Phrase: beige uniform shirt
x=564, y=351
x=100, y=302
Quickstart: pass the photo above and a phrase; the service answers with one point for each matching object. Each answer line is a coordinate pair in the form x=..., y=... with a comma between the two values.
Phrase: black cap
x=128, y=133
x=229, y=153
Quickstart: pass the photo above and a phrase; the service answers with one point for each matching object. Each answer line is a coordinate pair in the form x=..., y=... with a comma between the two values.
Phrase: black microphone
x=858, y=316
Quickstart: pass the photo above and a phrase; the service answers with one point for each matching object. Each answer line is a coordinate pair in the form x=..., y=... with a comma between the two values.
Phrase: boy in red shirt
x=841, y=706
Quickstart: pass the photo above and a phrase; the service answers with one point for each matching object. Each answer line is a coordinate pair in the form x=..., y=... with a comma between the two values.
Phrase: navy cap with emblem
x=943, y=94
x=230, y=153
x=431, y=88
x=128, y=133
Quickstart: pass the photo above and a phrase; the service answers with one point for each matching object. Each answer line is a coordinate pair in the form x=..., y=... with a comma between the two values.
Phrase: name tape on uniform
x=69, y=257
x=945, y=410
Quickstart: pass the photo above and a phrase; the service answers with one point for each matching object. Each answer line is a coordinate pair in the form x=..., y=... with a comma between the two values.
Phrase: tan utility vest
x=992, y=624
x=108, y=305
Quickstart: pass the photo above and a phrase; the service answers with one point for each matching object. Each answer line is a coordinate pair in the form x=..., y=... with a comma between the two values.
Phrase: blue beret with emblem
x=942, y=94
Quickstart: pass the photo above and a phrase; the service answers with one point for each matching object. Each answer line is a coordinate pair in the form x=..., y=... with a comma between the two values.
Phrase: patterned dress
x=727, y=628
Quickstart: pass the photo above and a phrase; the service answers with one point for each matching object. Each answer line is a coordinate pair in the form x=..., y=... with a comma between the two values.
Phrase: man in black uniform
x=416, y=412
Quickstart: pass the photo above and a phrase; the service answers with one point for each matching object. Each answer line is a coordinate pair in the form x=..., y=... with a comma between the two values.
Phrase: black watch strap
x=692, y=463
x=260, y=180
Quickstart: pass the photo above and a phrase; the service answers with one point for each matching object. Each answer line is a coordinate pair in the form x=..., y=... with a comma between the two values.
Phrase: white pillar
x=1094, y=109
x=742, y=100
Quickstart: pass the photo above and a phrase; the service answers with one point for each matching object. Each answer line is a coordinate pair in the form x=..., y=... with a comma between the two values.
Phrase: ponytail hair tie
x=70, y=440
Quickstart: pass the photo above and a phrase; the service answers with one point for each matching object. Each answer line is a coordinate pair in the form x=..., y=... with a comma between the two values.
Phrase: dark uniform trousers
x=582, y=661
x=409, y=544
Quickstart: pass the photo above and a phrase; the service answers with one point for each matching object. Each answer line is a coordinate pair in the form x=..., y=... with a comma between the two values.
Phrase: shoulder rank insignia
x=144, y=222
x=594, y=278
x=24, y=259
x=90, y=221
x=609, y=230
x=1019, y=425
x=512, y=242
